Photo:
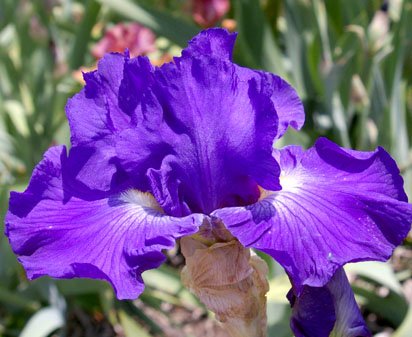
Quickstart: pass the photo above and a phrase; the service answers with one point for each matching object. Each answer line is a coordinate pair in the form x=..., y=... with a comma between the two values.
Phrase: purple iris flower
x=157, y=151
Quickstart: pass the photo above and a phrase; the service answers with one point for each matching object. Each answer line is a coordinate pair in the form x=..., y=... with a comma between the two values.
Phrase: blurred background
x=350, y=61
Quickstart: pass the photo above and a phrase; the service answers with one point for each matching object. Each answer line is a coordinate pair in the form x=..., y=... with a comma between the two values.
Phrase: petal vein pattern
x=336, y=206
x=58, y=229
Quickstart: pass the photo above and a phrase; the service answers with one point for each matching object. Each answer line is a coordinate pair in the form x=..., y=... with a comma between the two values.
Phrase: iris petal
x=328, y=311
x=58, y=228
x=201, y=125
x=336, y=206
x=223, y=127
x=214, y=42
x=102, y=111
x=203, y=135
x=94, y=112
x=286, y=101
x=219, y=43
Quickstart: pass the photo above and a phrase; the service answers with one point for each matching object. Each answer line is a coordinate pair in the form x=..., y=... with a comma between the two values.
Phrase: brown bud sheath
x=228, y=279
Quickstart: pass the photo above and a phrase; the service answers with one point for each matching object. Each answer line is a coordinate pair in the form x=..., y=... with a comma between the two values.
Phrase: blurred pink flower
x=138, y=39
x=207, y=12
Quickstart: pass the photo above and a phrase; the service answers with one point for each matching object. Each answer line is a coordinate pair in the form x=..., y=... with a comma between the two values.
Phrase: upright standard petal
x=103, y=110
x=212, y=131
x=214, y=42
x=219, y=43
x=58, y=227
x=328, y=311
x=335, y=206
x=94, y=112
x=225, y=129
x=286, y=101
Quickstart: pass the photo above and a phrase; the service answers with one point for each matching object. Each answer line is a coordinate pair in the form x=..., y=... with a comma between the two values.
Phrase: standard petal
x=224, y=129
x=59, y=228
x=286, y=101
x=111, y=100
x=328, y=311
x=108, y=105
x=219, y=43
x=336, y=206
x=94, y=112
x=213, y=42
x=184, y=131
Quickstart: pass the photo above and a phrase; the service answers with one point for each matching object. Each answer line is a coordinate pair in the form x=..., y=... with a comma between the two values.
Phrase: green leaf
x=391, y=307
x=131, y=327
x=167, y=286
x=83, y=34
x=132, y=310
x=17, y=114
x=163, y=279
x=278, y=288
x=162, y=23
x=256, y=44
x=278, y=320
x=8, y=298
x=406, y=327
x=321, y=16
x=81, y=286
x=300, y=28
x=43, y=323
x=378, y=272
x=334, y=104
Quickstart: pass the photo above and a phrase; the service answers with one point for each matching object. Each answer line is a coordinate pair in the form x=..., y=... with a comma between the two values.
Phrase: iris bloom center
x=288, y=182
x=143, y=199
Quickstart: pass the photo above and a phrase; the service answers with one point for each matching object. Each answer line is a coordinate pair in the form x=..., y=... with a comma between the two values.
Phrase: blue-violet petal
x=59, y=228
x=328, y=311
x=335, y=206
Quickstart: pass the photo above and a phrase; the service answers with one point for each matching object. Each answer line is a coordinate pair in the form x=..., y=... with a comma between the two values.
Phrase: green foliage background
x=355, y=79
